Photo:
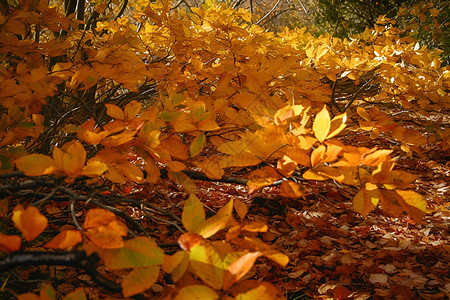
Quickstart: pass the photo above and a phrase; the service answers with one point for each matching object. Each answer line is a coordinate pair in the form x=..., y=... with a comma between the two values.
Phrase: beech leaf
x=321, y=125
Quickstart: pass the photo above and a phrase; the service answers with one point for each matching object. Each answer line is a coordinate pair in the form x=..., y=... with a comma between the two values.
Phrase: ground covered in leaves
x=334, y=253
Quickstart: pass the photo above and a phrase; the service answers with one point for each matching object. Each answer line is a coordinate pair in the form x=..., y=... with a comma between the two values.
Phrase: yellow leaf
x=29, y=221
x=262, y=291
x=312, y=175
x=193, y=214
x=286, y=166
x=64, y=240
x=321, y=125
x=94, y=168
x=98, y=217
x=36, y=164
x=366, y=199
x=139, y=280
x=414, y=205
x=132, y=109
x=192, y=292
x=337, y=125
x=391, y=203
x=114, y=112
x=78, y=294
x=217, y=222
x=9, y=243
x=317, y=156
x=207, y=264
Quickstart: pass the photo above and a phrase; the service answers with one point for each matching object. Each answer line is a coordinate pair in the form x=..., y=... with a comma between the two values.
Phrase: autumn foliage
x=159, y=93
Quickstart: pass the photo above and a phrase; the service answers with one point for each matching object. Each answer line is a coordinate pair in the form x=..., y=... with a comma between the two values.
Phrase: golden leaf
x=36, y=164
x=321, y=125
x=30, y=221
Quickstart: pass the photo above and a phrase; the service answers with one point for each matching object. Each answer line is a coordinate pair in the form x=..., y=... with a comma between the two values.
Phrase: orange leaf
x=114, y=112
x=292, y=189
x=139, y=280
x=237, y=269
x=74, y=158
x=9, y=243
x=29, y=221
x=261, y=178
x=106, y=237
x=98, y=217
x=132, y=109
x=322, y=124
x=65, y=239
x=36, y=164
x=241, y=208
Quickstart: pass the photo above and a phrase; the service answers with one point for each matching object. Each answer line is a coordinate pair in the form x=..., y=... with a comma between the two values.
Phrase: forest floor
x=334, y=253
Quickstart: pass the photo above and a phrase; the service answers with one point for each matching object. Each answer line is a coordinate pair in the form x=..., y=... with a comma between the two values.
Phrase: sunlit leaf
x=337, y=125
x=30, y=221
x=207, y=264
x=139, y=280
x=321, y=125
x=196, y=292
x=263, y=291
x=366, y=199
x=414, y=205
x=94, y=168
x=217, y=222
x=238, y=268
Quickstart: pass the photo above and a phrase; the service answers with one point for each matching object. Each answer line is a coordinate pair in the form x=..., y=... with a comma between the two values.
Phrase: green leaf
x=197, y=144
x=137, y=252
